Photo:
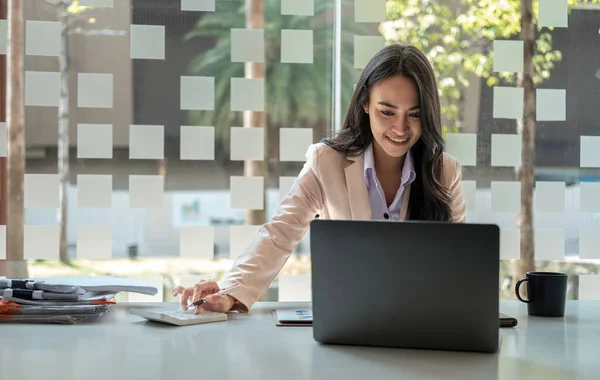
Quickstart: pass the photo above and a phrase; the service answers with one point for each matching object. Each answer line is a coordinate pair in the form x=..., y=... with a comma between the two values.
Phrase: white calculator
x=180, y=317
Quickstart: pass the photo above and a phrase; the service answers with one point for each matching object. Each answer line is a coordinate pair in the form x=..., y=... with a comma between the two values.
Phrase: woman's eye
x=415, y=114
x=387, y=113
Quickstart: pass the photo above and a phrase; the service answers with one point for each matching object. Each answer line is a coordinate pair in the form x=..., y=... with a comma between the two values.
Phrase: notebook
x=179, y=317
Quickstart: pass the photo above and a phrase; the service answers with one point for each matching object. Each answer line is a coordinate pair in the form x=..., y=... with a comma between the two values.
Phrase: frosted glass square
x=298, y=7
x=508, y=102
x=285, y=185
x=95, y=141
x=3, y=142
x=294, y=143
x=553, y=13
x=469, y=191
x=589, y=287
x=3, y=36
x=508, y=56
x=146, y=191
x=369, y=11
x=297, y=46
x=247, y=144
x=94, y=190
x=462, y=146
x=506, y=150
x=146, y=142
x=94, y=242
x=41, y=242
x=247, y=94
x=551, y=105
x=247, y=45
x=589, y=152
x=198, y=5
x=247, y=193
x=97, y=3
x=147, y=41
x=42, y=89
x=42, y=38
x=589, y=243
x=295, y=288
x=95, y=90
x=197, y=93
x=510, y=243
x=365, y=47
x=197, y=143
x=239, y=239
x=589, y=201
x=2, y=242
x=41, y=190
x=196, y=242
x=549, y=244
x=550, y=196
x=506, y=196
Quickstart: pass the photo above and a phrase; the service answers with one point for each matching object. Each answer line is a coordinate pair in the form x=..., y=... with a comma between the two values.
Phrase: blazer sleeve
x=458, y=206
x=256, y=267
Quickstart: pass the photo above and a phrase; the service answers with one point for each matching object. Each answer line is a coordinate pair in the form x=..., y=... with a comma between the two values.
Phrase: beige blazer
x=332, y=185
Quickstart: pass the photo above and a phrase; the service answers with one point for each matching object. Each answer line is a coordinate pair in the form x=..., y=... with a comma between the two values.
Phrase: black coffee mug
x=546, y=293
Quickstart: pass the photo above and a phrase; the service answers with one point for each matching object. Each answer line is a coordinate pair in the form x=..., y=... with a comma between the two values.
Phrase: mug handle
x=517, y=290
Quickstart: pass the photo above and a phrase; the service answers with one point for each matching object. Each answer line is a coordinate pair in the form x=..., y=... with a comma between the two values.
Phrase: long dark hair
x=429, y=199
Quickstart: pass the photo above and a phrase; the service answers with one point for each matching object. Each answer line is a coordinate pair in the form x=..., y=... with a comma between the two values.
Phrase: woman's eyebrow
x=388, y=105
x=383, y=103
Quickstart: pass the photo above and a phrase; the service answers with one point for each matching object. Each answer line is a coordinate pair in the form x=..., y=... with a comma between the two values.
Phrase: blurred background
x=160, y=134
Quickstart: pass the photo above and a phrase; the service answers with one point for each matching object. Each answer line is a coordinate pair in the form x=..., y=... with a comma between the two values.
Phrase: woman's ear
x=366, y=108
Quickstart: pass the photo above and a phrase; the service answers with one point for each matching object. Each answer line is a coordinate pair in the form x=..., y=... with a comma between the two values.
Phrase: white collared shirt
x=379, y=208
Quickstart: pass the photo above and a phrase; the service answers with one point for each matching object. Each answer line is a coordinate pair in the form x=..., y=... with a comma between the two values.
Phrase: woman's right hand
x=205, y=288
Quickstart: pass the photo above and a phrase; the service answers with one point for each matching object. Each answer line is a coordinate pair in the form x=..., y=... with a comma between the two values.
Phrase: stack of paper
x=63, y=300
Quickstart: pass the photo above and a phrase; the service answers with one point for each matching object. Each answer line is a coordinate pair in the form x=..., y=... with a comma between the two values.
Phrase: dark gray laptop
x=428, y=285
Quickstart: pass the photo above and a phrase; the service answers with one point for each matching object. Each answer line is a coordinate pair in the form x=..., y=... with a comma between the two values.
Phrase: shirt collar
x=408, y=170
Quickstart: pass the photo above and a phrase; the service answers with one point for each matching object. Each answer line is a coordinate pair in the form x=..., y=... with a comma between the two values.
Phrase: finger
x=178, y=290
x=186, y=295
x=199, y=289
x=209, y=287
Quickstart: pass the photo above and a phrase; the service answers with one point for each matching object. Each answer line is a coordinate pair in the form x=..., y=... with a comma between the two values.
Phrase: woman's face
x=394, y=115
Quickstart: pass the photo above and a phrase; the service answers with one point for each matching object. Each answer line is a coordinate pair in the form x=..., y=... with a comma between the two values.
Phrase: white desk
x=250, y=346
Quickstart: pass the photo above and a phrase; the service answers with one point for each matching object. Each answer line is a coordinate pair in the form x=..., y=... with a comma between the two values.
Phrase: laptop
x=424, y=285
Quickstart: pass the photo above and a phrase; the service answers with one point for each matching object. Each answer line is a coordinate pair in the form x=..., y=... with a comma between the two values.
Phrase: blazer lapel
x=358, y=196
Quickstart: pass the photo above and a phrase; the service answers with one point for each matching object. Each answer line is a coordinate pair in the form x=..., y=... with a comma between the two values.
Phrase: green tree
x=296, y=95
x=457, y=38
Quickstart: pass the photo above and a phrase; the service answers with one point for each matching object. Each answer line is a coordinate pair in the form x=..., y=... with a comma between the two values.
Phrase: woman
x=388, y=162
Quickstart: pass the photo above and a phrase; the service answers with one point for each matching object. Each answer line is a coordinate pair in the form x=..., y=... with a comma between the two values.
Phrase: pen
x=222, y=292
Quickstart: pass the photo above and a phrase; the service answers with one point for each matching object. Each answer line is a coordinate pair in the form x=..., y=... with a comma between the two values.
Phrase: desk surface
x=250, y=346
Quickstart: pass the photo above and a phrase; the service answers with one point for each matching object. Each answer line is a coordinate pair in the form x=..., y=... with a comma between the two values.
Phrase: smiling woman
x=388, y=162
x=395, y=117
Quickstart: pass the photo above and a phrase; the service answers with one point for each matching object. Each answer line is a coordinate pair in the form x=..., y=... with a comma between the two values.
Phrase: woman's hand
x=204, y=288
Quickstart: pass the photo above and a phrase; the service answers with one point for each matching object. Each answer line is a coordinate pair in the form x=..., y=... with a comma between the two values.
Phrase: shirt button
x=386, y=215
